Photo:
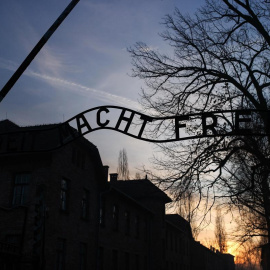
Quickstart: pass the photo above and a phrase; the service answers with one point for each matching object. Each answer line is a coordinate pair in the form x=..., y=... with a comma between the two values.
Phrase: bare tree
x=138, y=176
x=248, y=256
x=220, y=61
x=187, y=208
x=122, y=169
x=220, y=232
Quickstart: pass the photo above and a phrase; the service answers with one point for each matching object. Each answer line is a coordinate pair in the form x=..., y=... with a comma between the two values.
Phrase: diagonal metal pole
x=17, y=74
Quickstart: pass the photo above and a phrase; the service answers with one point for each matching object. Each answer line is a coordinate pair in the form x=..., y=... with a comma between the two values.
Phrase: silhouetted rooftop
x=139, y=189
x=179, y=222
x=47, y=139
x=7, y=126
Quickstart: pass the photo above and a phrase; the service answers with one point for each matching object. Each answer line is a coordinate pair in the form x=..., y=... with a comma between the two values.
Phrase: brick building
x=59, y=211
x=132, y=233
x=49, y=205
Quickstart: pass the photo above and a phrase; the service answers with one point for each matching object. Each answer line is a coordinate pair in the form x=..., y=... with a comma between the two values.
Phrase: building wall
x=124, y=233
x=75, y=164
x=58, y=222
x=177, y=248
x=203, y=258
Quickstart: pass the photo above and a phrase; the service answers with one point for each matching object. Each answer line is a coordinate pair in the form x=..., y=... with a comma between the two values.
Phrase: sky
x=83, y=65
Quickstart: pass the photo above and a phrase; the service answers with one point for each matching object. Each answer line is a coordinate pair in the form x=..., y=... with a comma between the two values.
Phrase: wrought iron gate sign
x=136, y=125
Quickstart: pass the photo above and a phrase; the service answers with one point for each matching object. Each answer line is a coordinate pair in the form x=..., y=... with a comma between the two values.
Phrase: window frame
x=64, y=191
x=21, y=188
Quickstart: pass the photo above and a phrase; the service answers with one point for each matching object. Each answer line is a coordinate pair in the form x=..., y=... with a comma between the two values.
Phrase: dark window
x=60, y=254
x=85, y=205
x=114, y=260
x=13, y=239
x=127, y=261
x=145, y=230
x=101, y=258
x=137, y=262
x=175, y=244
x=127, y=223
x=115, y=217
x=83, y=256
x=163, y=248
x=21, y=188
x=64, y=195
x=137, y=227
x=102, y=213
x=145, y=263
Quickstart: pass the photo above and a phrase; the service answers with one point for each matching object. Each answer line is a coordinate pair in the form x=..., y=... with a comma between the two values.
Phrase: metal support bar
x=17, y=74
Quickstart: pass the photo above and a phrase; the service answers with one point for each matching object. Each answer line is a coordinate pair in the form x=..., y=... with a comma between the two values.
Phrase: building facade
x=58, y=211
x=49, y=205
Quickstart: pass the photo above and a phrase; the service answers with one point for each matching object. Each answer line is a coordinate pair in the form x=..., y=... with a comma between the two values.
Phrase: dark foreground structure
x=58, y=211
x=265, y=257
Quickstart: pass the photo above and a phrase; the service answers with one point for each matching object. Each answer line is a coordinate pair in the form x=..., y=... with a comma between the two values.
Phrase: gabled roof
x=139, y=189
x=179, y=222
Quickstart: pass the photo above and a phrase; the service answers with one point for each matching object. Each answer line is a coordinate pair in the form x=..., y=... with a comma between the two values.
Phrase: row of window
x=129, y=222
x=64, y=196
x=115, y=258
x=21, y=190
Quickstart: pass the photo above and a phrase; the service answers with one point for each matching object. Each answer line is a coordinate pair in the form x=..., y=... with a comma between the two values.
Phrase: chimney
x=106, y=172
x=113, y=177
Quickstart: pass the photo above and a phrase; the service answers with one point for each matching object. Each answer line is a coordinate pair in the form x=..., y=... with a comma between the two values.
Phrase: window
x=137, y=262
x=100, y=258
x=115, y=217
x=60, y=254
x=64, y=194
x=127, y=261
x=114, y=260
x=83, y=256
x=145, y=263
x=145, y=230
x=85, y=205
x=137, y=227
x=21, y=188
x=13, y=239
x=102, y=215
x=127, y=222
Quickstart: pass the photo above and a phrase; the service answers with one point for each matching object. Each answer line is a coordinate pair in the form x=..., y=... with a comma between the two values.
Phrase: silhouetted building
x=265, y=257
x=178, y=242
x=132, y=233
x=203, y=258
x=49, y=204
x=58, y=211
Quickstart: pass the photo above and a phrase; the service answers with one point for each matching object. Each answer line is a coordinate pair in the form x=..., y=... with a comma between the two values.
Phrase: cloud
x=75, y=87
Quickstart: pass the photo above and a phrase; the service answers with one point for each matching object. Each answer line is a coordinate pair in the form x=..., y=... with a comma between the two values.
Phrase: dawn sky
x=84, y=64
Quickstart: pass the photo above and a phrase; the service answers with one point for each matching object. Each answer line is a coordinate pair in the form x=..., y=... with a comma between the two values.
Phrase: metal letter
x=127, y=119
x=102, y=109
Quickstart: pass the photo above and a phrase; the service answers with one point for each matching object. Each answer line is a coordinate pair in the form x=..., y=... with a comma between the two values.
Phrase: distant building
x=178, y=243
x=132, y=231
x=203, y=258
x=58, y=211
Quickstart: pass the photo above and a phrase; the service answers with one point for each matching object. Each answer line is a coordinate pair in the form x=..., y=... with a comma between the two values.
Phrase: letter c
x=104, y=124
